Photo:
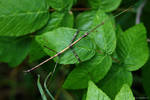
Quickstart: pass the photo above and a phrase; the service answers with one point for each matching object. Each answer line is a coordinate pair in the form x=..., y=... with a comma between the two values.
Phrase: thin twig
x=139, y=11
x=148, y=40
x=65, y=49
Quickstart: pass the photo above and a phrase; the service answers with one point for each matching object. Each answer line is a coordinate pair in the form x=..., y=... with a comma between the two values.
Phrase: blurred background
x=17, y=85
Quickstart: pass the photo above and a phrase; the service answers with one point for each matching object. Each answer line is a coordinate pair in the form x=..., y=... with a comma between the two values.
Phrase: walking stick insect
x=73, y=43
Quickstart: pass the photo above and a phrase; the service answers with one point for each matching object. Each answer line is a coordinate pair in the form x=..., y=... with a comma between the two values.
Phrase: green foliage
x=60, y=38
x=106, y=5
x=104, y=36
x=18, y=18
x=34, y=29
x=94, y=93
x=14, y=50
x=113, y=81
x=34, y=52
x=125, y=93
x=131, y=43
x=94, y=69
x=57, y=19
x=61, y=4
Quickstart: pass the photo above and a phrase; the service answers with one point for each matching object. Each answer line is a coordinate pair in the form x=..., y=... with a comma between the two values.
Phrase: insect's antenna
x=124, y=11
x=83, y=36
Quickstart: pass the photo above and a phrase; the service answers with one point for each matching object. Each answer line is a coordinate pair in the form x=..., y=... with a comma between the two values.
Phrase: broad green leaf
x=125, y=93
x=14, y=50
x=61, y=4
x=94, y=69
x=21, y=17
x=132, y=47
x=55, y=19
x=115, y=55
x=94, y=93
x=145, y=78
x=113, y=81
x=60, y=38
x=105, y=5
x=68, y=20
x=41, y=89
x=84, y=20
x=58, y=19
x=36, y=52
x=104, y=36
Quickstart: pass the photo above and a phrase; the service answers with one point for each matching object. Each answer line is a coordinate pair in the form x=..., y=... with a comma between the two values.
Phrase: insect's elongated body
x=73, y=43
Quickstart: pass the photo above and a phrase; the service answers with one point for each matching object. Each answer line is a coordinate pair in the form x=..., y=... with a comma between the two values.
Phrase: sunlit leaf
x=60, y=38
x=104, y=35
x=21, y=17
x=113, y=81
x=94, y=93
x=125, y=93
x=132, y=47
x=94, y=69
x=106, y=5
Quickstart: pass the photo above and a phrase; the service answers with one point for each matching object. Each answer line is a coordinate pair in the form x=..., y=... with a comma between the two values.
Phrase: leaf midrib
x=25, y=13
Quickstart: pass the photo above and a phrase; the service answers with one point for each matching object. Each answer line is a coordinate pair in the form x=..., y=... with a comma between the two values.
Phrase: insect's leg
x=50, y=49
x=75, y=54
x=56, y=61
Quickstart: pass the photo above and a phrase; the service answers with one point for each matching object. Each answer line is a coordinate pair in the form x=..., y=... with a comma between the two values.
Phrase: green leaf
x=125, y=93
x=145, y=78
x=68, y=20
x=41, y=89
x=114, y=80
x=58, y=19
x=105, y=5
x=61, y=38
x=61, y=4
x=132, y=47
x=14, y=50
x=36, y=52
x=21, y=17
x=94, y=93
x=104, y=36
x=94, y=69
x=55, y=19
x=85, y=19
